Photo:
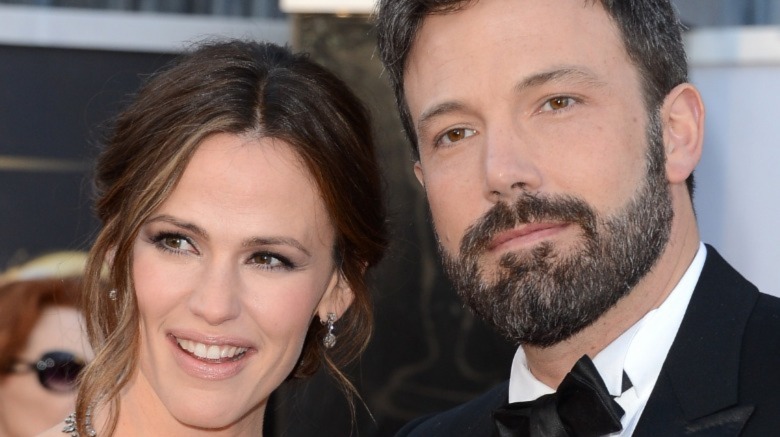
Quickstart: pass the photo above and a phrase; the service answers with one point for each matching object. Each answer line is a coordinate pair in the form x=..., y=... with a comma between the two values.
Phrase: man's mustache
x=527, y=208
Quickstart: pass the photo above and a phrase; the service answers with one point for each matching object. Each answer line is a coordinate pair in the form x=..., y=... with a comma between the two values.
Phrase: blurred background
x=66, y=68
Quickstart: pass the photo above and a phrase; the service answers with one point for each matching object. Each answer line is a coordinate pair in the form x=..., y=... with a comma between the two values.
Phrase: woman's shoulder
x=56, y=431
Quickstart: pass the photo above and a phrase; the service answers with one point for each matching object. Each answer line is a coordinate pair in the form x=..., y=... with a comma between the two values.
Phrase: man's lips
x=526, y=233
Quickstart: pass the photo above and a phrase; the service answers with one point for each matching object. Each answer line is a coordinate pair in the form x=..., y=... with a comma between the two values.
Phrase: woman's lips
x=525, y=235
x=210, y=358
x=213, y=352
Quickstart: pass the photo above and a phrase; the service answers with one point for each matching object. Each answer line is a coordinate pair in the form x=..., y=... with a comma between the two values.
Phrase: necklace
x=71, y=425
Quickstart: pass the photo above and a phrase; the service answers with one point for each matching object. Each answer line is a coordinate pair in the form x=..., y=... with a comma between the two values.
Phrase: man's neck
x=551, y=364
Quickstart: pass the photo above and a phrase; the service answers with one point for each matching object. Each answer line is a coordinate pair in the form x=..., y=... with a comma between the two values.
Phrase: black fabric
x=627, y=384
x=720, y=378
x=582, y=407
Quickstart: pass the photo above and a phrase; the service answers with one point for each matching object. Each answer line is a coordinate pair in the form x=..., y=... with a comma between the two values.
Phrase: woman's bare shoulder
x=55, y=431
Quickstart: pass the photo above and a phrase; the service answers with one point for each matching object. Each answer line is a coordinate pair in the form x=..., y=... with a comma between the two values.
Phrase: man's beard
x=542, y=297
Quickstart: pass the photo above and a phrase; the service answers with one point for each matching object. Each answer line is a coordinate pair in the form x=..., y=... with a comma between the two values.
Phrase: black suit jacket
x=720, y=378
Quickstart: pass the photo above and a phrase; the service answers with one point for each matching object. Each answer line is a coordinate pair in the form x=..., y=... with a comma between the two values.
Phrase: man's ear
x=418, y=172
x=337, y=298
x=683, y=131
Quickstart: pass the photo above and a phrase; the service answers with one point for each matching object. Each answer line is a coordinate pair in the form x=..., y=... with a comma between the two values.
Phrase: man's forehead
x=485, y=15
x=527, y=36
x=462, y=13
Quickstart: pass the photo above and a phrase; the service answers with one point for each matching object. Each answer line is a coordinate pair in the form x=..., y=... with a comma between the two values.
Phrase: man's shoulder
x=766, y=314
x=728, y=314
x=473, y=418
x=761, y=341
x=730, y=334
x=719, y=274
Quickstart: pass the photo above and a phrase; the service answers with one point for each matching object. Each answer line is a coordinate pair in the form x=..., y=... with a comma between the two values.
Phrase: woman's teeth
x=210, y=352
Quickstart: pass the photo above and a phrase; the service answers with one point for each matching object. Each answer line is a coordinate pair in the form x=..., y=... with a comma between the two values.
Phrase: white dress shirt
x=640, y=352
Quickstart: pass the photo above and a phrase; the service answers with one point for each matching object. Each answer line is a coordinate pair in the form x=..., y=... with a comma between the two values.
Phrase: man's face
x=534, y=150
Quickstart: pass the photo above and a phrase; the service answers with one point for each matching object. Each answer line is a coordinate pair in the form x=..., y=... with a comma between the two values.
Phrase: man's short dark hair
x=650, y=30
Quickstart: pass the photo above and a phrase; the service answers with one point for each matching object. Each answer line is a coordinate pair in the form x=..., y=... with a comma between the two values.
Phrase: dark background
x=55, y=105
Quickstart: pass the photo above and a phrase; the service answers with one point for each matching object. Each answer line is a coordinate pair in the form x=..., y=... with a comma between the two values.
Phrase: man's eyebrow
x=570, y=73
x=574, y=74
x=435, y=111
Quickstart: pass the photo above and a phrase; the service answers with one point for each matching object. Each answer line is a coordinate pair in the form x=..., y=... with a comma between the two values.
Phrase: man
x=556, y=142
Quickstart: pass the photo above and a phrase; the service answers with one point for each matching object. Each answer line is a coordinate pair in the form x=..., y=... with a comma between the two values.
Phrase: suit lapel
x=697, y=389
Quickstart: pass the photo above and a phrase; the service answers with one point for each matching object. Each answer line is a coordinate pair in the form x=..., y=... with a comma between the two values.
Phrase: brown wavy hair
x=235, y=87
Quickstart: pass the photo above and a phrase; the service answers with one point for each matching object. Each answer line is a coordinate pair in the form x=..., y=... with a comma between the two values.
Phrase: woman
x=42, y=344
x=240, y=203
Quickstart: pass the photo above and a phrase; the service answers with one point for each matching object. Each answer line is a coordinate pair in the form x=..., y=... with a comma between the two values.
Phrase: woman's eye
x=558, y=103
x=455, y=135
x=173, y=243
x=267, y=260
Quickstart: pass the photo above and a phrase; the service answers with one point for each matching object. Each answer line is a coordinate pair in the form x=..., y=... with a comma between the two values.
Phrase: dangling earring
x=330, y=338
x=112, y=294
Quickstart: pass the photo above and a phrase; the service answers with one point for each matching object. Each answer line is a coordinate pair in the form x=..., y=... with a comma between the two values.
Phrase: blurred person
x=240, y=203
x=43, y=345
x=556, y=143
x=59, y=264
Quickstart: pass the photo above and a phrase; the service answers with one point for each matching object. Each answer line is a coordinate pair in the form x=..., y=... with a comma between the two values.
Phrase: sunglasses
x=57, y=370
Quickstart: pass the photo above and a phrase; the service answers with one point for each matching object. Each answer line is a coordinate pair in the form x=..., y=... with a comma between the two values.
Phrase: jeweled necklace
x=71, y=425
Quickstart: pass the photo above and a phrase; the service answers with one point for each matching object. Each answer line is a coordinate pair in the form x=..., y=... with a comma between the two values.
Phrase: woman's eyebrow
x=180, y=224
x=275, y=241
x=248, y=242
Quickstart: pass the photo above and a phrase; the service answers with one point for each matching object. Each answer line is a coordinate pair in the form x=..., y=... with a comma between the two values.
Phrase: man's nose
x=510, y=166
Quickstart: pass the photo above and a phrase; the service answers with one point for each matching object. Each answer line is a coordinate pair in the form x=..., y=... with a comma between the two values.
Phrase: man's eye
x=557, y=103
x=455, y=135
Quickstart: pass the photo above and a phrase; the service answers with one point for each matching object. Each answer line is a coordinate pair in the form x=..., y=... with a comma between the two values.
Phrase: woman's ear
x=108, y=263
x=337, y=298
x=109, y=258
x=418, y=173
x=683, y=131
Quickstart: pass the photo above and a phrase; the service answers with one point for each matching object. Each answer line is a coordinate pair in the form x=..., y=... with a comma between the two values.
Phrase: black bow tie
x=581, y=407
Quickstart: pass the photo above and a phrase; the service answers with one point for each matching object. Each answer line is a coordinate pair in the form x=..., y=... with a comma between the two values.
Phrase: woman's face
x=229, y=273
x=26, y=407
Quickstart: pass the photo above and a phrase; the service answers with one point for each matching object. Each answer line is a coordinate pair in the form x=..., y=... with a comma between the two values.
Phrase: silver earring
x=112, y=294
x=330, y=338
